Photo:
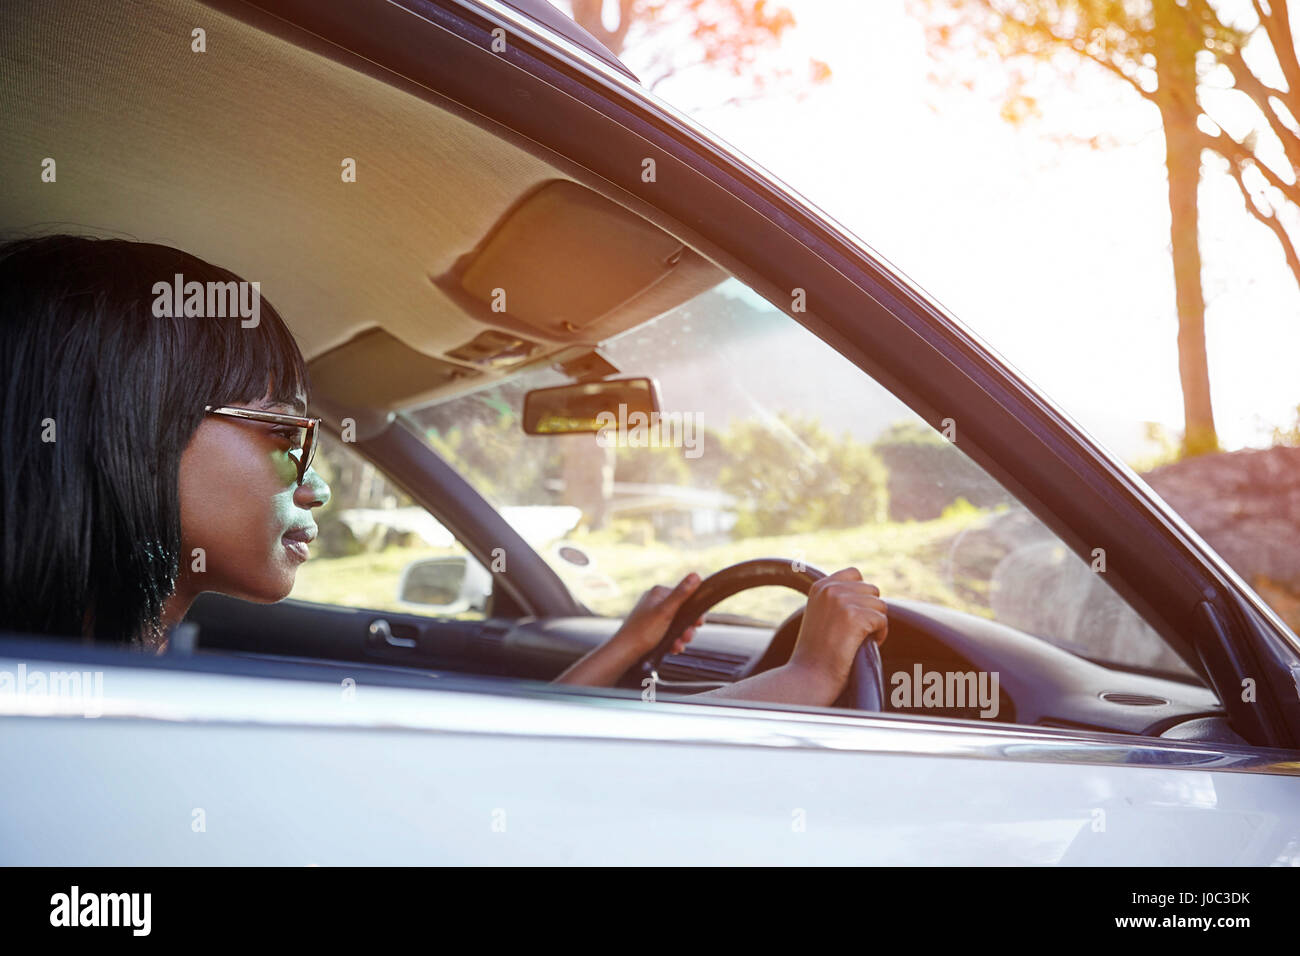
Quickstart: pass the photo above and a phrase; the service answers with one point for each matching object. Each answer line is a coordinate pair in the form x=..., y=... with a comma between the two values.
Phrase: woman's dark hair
x=99, y=398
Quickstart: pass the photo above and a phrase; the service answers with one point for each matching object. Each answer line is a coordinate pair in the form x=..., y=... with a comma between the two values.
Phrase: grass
x=905, y=559
x=360, y=580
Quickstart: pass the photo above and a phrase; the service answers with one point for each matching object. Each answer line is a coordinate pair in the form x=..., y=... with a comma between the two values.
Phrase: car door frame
x=552, y=97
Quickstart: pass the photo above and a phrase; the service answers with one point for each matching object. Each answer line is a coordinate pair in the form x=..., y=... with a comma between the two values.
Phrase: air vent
x=1134, y=700
x=698, y=664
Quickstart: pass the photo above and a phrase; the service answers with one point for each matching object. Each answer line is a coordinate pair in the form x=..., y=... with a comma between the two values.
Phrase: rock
x=1031, y=581
x=1246, y=505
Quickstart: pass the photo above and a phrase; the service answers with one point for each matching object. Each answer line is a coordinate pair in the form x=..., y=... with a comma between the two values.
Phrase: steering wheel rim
x=865, y=687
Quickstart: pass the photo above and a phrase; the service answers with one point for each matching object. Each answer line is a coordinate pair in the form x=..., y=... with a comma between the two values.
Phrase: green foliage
x=1290, y=436
x=960, y=510
x=909, y=432
x=1166, y=448
x=654, y=466
x=791, y=475
x=494, y=456
x=705, y=470
x=672, y=466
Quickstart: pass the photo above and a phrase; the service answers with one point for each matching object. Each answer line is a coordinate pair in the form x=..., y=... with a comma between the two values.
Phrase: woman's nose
x=313, y=492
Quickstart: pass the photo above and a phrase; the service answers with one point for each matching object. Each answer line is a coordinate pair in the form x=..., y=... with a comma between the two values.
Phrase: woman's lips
x=295, y=541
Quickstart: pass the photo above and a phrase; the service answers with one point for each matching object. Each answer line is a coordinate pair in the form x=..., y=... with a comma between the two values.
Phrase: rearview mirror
x=588, y=407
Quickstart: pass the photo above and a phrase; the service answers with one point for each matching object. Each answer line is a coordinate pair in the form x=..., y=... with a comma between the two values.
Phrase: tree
x=791, y=475
x=497, y=460
x=670, y=37
x=1168, y=52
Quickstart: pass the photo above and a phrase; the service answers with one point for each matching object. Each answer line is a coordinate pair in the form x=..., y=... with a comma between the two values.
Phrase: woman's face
x=239, y=498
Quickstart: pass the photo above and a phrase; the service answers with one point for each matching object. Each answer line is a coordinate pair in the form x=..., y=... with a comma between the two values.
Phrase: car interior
x=390, y=284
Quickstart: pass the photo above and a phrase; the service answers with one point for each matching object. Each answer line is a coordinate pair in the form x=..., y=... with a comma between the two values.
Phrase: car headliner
x=235, y=155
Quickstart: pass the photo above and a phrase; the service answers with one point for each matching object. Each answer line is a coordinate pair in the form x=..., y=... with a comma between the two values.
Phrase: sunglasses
x=304, y=449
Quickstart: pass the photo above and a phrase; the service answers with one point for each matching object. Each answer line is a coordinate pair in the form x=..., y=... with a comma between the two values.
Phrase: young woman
x=130, y=482
x=155, y=447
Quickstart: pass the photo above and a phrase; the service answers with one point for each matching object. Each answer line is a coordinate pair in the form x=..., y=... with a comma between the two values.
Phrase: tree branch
x=1277, y=24
x=1114, y=68
x=1076, y=45
x=1238, y=155
x=1245, y=80
x=1259, y=93
x=1269, y=219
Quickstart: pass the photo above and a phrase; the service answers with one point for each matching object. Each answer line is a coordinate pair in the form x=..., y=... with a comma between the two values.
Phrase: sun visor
x=567, y=265
x=377, y=372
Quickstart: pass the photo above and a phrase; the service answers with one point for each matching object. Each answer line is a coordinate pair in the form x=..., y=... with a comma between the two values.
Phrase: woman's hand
x=642, y=629
x=648, y=621
x=842, y=611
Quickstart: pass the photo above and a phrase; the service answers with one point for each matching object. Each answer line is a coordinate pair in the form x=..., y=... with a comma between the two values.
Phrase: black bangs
x=238, y=349
x=109, y=351
x=242, y=365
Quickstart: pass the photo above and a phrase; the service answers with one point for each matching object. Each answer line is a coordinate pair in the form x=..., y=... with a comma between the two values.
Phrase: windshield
x=771, y=444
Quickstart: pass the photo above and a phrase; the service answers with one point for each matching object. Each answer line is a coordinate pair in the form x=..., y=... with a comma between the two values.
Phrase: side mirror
x=589, y=406
x=446, y=585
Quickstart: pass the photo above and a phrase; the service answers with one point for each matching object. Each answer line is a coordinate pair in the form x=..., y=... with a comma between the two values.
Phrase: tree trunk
x=588, y=477
x=1176, y=98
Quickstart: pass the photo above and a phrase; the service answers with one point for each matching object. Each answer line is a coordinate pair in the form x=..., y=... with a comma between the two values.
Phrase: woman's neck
x=154, y=638
x=174, y=611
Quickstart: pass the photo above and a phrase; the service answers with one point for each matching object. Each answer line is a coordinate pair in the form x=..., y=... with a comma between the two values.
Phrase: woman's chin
x=267, y=592
x=285, y=589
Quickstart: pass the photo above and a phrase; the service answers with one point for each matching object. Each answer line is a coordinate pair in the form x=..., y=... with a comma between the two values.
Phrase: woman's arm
x=787, y=684
x=641, y=631
x=843, y=610
x=602, y=666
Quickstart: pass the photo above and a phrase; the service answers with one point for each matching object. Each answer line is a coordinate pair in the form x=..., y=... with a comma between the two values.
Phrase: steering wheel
x=865, y=689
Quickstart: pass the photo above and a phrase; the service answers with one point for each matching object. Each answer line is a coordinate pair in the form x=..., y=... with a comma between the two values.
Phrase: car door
x=280, y=763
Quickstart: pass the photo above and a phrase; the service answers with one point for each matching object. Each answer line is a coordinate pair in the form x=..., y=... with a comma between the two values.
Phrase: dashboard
x=932, y=657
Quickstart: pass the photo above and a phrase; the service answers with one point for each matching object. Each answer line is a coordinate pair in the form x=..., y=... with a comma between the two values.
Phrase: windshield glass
x=771, y=444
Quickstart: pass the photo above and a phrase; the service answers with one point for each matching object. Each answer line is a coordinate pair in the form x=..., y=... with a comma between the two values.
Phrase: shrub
x=791, y=475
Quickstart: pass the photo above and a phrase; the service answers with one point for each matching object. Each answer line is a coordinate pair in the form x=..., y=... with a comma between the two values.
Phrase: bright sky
x=1058, y=256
